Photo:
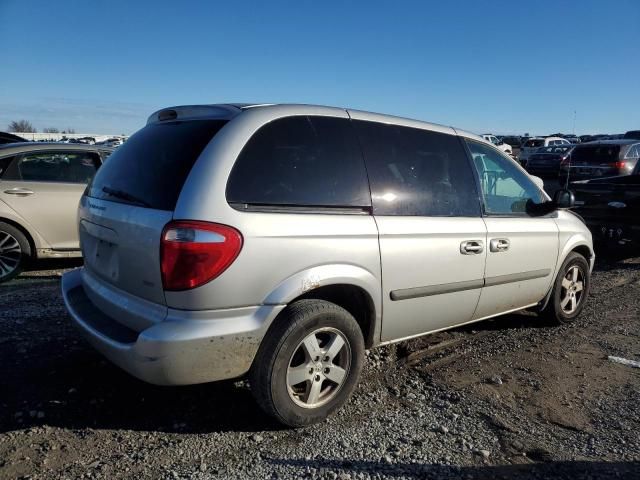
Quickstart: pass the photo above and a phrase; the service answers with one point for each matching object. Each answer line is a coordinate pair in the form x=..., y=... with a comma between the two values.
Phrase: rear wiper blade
x=125, y=196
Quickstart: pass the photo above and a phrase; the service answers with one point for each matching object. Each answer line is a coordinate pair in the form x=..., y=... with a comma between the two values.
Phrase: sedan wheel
x=10, y=255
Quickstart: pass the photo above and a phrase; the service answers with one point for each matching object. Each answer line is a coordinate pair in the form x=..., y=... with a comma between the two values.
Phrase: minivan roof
x=227, y=111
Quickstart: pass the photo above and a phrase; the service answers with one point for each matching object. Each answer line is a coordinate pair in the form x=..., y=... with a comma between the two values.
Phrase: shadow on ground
x=550, y=470
x=74, y=388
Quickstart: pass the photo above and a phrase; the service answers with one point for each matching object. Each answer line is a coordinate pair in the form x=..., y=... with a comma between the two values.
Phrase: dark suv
x=607, y=158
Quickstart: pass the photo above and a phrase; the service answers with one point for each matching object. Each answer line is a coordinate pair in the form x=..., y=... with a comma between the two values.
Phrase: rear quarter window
x=151, y=167
x=307, y=161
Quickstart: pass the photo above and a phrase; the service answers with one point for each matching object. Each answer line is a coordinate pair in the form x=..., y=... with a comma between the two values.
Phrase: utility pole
x=574, y=122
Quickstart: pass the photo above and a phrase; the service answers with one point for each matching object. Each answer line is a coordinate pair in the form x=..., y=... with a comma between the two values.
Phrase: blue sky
x=504, y=67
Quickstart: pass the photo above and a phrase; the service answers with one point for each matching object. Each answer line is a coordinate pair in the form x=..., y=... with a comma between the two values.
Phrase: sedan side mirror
x=564, y=198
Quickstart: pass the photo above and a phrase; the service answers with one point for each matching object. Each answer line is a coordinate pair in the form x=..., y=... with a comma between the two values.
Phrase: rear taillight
x=617, y=164
x=194, y=253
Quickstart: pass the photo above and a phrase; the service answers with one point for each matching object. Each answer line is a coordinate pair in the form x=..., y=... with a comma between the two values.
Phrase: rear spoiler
x=194, y=112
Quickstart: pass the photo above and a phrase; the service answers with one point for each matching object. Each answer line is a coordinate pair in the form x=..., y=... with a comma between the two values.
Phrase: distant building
x=56, y=137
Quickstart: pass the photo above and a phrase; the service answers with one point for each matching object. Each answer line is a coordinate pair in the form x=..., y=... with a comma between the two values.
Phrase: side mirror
x=564, y=198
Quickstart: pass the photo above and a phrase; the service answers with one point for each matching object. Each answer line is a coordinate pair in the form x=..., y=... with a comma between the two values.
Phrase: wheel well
x=32, y=244
x=354, y=300
x=584, y=251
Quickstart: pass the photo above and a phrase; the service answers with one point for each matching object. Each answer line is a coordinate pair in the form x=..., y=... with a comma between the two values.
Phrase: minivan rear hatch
x=132, y=198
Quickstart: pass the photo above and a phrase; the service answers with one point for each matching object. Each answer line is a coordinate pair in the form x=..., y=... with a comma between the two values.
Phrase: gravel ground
x=508, y=398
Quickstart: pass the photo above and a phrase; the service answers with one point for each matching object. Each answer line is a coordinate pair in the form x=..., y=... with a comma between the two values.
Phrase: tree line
x=26, y=126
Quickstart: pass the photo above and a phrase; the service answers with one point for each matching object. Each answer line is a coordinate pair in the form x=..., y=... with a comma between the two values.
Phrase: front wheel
x=570, y=290
x=308, y=364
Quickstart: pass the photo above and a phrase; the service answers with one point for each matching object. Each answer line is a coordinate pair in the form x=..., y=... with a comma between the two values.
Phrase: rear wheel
x=308, y=364
x=570, y=290
x=14, y=251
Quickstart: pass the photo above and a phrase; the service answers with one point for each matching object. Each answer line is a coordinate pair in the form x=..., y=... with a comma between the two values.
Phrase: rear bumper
x=187, y=347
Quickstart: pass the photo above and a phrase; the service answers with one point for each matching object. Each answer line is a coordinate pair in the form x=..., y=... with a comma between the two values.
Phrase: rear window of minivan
x=151, y=167
x=595, y=154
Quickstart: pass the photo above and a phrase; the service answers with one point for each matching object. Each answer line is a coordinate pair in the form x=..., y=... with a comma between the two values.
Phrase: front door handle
x=22, y=192
x=499, y=244
x=471, y=247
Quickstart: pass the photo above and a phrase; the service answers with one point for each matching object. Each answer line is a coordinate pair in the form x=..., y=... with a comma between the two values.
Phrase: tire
x=561, y=309
x=283, y=358
x=15, y=251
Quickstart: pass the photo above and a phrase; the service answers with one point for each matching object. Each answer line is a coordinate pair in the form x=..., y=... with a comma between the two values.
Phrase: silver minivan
x=281, y=241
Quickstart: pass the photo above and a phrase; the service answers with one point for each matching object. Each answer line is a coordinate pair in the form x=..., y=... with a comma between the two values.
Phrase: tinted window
x=303, y=161
x=64, y=167
x=154, y=163
x=505, y=188
x=595, y=154
x=4, y=164
x=534, y=143
x=555, y=149
x=417, y=172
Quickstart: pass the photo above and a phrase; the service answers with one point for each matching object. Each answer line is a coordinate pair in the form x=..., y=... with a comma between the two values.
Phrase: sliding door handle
x=499, y=244
x=471, y=247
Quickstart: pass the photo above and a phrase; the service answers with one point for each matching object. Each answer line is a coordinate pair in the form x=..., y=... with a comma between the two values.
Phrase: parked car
x=512, y=140
x=112, y=142
x=505, y=147
x=280, y=241
x=545, y=162
x=533, y=144
x=605, y=158
x=40, y=187
x=632, y=135
x=573, y=139
x=10, y=138
x=611, y=207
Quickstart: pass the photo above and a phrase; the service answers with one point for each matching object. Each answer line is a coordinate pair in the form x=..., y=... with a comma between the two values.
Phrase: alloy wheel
x=319, y=367
x=10, y=254
x=572, y=290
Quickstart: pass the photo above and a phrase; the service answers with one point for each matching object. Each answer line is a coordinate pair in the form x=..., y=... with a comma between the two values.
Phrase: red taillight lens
x=617, y=164
x=194, y=253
